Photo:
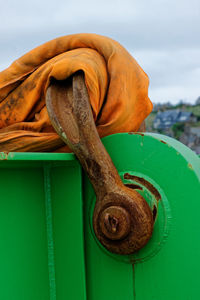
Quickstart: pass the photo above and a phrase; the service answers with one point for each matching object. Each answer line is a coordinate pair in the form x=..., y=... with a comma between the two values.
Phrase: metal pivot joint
x=122, y=219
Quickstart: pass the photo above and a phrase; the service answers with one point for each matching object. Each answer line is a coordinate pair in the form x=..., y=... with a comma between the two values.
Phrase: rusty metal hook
x=122, y=219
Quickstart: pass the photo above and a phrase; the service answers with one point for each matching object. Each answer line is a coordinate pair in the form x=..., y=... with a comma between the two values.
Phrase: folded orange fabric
x=117, y=88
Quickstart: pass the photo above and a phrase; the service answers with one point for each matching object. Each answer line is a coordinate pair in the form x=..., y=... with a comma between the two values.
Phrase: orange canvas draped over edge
x=117, y=88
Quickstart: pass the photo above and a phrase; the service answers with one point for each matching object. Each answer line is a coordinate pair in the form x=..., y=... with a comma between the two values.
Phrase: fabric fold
x=117, y=88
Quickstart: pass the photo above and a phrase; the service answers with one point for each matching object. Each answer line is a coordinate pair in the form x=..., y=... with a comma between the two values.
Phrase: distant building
x=161, y=106
x=168, y=118
x=195, y=131
x=197, y=101
x=191, y=138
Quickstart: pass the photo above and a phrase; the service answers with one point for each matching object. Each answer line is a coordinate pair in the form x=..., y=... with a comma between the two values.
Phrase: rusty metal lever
x=122, y=219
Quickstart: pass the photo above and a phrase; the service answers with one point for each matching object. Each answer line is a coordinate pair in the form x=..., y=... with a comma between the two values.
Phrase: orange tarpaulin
x=117, y=87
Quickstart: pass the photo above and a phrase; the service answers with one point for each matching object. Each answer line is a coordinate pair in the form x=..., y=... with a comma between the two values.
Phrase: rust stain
x=163, y=142
x=139, y=133
x=154, y=212
x=144, y=182
x=190, y=166
x=4, y=155
x=133, y=186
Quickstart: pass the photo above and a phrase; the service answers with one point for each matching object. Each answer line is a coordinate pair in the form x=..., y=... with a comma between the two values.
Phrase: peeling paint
x=145, y=183
x=163, y=142
x=4, y=155
x=190, y=166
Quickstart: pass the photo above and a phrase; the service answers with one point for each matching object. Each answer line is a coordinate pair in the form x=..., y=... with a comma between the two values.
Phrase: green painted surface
x=68, y=233
x=23, y=248
x=48, y=250
x=172, y=273
x=107, y=278
x=40, y=214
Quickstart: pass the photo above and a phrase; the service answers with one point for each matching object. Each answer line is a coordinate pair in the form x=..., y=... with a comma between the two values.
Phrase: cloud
x=162, y=35
x=174, y=74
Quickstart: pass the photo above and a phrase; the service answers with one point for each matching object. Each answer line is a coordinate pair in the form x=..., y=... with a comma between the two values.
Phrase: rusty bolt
x=122, y=221
x=115, y=222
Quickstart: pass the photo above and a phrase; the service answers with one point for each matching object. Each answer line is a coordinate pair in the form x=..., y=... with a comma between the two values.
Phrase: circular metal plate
x=165, y=173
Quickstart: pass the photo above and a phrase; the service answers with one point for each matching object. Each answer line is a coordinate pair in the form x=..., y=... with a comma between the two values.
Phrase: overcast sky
x=162, y=35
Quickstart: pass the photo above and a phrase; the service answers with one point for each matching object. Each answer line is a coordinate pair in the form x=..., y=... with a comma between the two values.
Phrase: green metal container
x=48, y=249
